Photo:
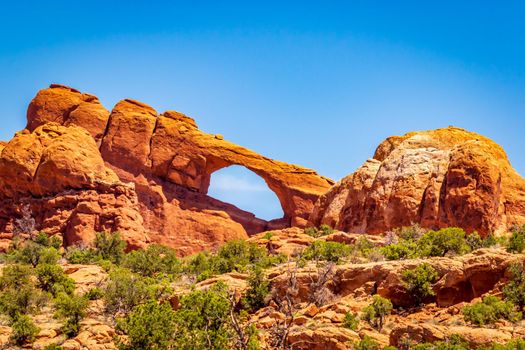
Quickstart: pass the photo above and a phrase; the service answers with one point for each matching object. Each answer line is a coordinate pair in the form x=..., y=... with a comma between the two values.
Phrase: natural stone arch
x=167, y=162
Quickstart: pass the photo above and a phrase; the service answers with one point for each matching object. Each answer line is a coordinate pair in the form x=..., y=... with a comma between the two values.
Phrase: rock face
x=439, y=178
x=83, y=169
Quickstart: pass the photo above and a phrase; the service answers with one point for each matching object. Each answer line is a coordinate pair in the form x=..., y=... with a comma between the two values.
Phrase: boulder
x=438, y=178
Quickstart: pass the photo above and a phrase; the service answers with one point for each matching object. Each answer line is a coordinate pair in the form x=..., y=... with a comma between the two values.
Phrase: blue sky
x=314, y=83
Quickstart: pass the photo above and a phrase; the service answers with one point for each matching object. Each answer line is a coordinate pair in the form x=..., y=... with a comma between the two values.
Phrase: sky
x=316, y=83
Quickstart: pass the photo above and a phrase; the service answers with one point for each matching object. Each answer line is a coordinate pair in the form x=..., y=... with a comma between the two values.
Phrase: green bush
x=351, y=321
x=153, y=260
x=516, y=242
x=24, y=330
x=445, y=241
x=376, y=312
x=72, y=309
x=81, y=255
x=125, y=290
x=323, y=230
x=418, y=282
x=515, y=344
x=45, y=240
x=474, y=241
x=52, y=279
x=94, y=293
x=149, y=326
x=203, y=318
x=489, y=311
x=326, y=251
x=110, y=246
x=258, y=289
x=514, y=290
x=366, y=343
x=33, y=254
x=399, y=251
x=454, y=342
x=18, y=294
x=237, y=255
x=53, y=346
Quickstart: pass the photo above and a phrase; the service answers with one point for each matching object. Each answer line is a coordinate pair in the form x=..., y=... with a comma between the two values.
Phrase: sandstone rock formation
x=439, y=178
x=81, y=169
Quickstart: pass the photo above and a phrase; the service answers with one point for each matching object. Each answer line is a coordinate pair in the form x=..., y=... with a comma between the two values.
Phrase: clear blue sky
x=314, y=83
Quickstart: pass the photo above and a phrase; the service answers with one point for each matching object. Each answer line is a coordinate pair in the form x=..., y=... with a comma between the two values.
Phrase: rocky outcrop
x=56, y=173
x=460, y=279
x=439, y=178
x=146, y=175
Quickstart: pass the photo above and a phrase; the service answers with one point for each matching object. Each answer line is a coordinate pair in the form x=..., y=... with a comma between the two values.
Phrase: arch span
x=246, y=190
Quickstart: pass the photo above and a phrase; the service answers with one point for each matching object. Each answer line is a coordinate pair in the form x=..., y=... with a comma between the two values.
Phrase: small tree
x=376, y=312
x=52, y=279
x=326, y=251
x=490, y=310
x=203, y=318
x=418, y=281
x=71, y=308
x=152, y=261
x=148, y=326
x=258, y=290
x=514, y=290
x=350, y=321
x=517, y=241
x=110, y=246
x=367, y=343
x=24, y=330
x=440, y=243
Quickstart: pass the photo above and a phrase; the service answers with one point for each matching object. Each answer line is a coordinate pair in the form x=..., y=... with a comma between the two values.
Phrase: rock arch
x=170, y=161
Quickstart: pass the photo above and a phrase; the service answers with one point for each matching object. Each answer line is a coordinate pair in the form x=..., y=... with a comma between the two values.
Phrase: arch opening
x=246, y=190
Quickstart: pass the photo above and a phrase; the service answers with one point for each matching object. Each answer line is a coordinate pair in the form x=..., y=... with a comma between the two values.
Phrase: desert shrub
x=410, y=233
x=350, y=321
x=53, y=346
x=514, y=290
x=326, y=251
x=153, y=260
x=72, y=309
x=125, y=290
x=323, y=230
x=48, y=241
x=516, y=242
x=366, y=343
x=94, y=293
x=514, y=344
x=490, y=310
x=24, y=330
x=404, y=249
x=258, y=290
x=52, y=279
x=18, y=294
x=81, y=255
x=110, y=246
x=376, y=312
x=149, y=326
x=474, y=241
x=364, y=246
x=445, y=241
x=418, y=281
x=236, y=255
x=202, y=320
x=454, y=342
x=32, y=253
